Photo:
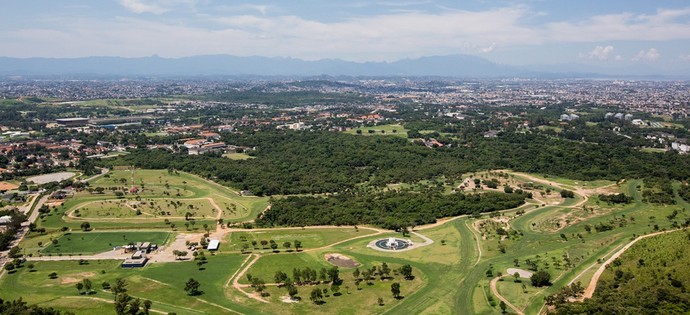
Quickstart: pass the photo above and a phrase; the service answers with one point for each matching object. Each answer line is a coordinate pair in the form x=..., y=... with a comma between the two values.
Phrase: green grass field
x=237, y=156
x=161, y=196
x=451, y=273
x=310, y=238
x=96, y=242
x=383, y=130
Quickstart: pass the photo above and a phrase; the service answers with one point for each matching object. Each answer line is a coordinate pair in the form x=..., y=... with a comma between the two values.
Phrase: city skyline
x=651, y=36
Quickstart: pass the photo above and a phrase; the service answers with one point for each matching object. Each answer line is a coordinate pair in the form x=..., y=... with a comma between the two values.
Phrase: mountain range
x=219, y=65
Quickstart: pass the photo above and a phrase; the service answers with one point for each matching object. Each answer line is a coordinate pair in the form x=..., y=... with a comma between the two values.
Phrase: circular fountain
x=392, y=243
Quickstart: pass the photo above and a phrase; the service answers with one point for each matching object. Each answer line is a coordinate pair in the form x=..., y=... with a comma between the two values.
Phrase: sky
x=610, y=33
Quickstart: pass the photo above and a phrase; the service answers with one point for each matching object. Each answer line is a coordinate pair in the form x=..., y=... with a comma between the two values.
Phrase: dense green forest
x=312, y=162
x=316, y=162
x=650, y=278
x=389, y=209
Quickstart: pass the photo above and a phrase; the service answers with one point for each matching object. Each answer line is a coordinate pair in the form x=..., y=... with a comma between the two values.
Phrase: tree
x=119, y=287
x=30, y=266
x=356, y=273
x=85, y=226
x=395, y=289
x=541, y=278
x=147, y=306
x=274, y=247
x=87, y=285
x=287, y=245
x=503, y=307
x=406, y=271
x=264, y=243
x=298, y=245
x=517, y=276
x=316, y=296
x=567, y=194
x=280, y=277
x=297, y=275
x=333, y=275
x=380, y=301
x=385, y=270
x=192, y=287
x=79, y=286
x=121, y=302
x=335, y=289
x=258, y=285
x=53, y=275
x=134, y=306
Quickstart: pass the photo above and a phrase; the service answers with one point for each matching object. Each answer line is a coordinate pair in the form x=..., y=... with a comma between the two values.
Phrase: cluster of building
x=139, y=252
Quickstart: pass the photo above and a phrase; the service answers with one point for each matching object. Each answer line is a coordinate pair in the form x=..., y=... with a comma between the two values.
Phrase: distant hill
x=227, y=65
x=454, y=66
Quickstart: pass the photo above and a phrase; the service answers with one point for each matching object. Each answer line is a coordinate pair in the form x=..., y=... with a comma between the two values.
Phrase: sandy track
x=589, y=291
x=494, y=290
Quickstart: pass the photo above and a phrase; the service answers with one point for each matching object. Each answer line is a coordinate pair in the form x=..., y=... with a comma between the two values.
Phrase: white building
x=213, y=245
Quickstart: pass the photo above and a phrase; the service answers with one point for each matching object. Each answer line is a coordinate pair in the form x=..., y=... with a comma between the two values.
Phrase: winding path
x=494, y=290
x=589, y=291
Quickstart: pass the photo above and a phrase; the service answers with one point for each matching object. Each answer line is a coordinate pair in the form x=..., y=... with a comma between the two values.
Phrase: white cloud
x=599, y=52
x=664, y=25
x=685, y=57
x=649, y=55
x=247, y=29
x=154, y=6
x=137, y=6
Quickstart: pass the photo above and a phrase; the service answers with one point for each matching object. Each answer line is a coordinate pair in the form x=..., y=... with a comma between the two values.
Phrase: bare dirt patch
x=523, y=273
x=7, y=186
x=341, y=261
x=287, y=299
x=47, y=178
x=76, y=277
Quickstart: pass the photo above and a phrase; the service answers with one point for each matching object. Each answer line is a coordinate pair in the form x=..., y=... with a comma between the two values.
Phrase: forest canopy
x=391, y=209
x=290, y=162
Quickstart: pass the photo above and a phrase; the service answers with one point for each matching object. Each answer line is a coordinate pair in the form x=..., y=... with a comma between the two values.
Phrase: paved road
x=103, y=172
x=24, y=229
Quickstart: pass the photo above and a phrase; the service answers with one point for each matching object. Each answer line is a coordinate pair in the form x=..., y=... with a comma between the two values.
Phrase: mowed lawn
x=310, y=238
x=162, y=196
x=37, y=287
x=96, y=242
x=162, y=283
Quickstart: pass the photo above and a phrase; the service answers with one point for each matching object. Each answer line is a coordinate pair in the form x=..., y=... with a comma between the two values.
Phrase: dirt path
x=476, y=240
x=236, y=284
x=72, y=216
x=494, y=290
x=107, y=301
x=589, y=291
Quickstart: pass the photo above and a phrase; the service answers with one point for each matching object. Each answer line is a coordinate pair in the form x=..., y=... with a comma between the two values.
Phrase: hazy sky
x=597, y=32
